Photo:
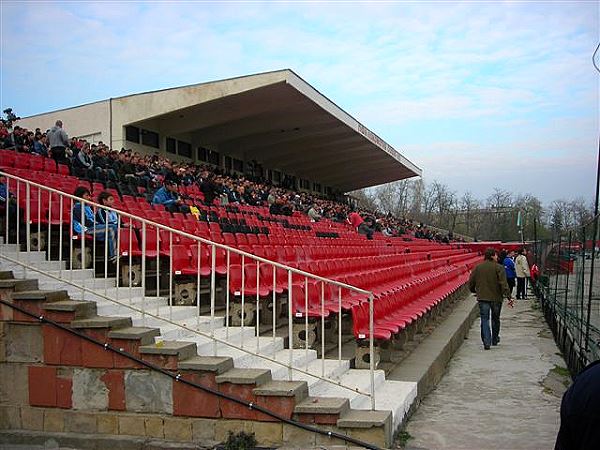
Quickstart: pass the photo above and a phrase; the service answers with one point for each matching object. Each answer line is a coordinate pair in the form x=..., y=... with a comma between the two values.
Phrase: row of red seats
x=30, y=162
x=394, y=312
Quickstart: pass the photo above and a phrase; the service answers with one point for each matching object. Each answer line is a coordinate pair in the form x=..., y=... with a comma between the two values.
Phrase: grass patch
x=403, y=438
x=562, y=371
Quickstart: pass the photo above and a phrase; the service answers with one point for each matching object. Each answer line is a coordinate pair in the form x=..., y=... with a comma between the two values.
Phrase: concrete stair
x=394, y=396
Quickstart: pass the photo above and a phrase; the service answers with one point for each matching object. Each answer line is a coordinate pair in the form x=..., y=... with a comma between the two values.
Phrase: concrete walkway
x=505, y=398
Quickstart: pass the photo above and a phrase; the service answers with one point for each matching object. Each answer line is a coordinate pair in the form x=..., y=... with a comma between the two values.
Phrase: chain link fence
x=569, y=292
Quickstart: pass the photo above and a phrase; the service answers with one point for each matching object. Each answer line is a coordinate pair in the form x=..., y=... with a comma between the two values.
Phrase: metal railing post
x=143, y=271
x=290, y=325
x=371, y=352
x=257, y=307
x=198, y=269
x=227, y=296
x=274, y=319
x=213, y=289
x=322, y=329
x=243, y=298
x=28, y=223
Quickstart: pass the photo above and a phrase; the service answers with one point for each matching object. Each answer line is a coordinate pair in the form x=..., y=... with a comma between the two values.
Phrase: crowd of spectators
x=128, y=170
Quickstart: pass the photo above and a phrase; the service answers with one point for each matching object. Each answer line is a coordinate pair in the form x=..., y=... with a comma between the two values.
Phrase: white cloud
x=516, y=73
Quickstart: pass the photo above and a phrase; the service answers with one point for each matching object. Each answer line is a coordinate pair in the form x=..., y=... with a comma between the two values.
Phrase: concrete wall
x=90, y=120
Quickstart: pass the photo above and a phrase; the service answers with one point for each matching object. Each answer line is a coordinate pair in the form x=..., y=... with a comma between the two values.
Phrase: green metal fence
x=569, y=292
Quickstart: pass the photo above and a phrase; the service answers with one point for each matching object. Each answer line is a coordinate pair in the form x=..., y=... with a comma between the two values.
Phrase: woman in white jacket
x=522, y=269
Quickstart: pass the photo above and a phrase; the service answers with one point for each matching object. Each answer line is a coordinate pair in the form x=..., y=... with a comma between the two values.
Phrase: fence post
x=591, y=281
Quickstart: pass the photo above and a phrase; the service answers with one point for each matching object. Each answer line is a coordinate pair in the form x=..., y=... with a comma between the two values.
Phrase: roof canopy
x=278, y=119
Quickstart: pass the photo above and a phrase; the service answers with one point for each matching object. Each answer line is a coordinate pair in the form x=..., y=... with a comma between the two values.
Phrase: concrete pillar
x=136, y=274
x=36, y=239
x=301, y=335
x=249, y=315
x=362, y=355
x=400, y=339
x=76, y=256
x=185, y=294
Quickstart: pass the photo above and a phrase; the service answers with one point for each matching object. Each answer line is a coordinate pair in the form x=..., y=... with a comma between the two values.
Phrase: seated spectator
x=314, y=213
x=359, y=224
x=207, y=187
x=84, y=221
x=39, y=144
x=83, y=165
x=8, y=204
x=169, y=198
x=106, y=216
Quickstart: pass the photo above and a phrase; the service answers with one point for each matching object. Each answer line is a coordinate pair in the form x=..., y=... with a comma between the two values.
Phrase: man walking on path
x=488, y=282
x=522, y=269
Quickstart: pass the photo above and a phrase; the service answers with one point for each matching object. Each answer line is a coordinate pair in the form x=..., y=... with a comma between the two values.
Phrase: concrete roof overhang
x=278, y=119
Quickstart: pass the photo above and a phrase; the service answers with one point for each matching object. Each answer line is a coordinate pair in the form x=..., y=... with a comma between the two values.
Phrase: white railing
x=32, y=212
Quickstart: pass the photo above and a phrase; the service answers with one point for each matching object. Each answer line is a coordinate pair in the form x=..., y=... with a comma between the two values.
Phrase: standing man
x=522, y=269
x=488, y=282
x=59, y=141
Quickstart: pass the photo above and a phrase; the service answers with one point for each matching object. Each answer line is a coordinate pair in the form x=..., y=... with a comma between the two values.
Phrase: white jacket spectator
x=522, y=266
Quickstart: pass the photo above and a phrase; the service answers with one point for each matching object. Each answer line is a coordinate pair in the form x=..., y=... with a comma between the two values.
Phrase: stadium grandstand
x=202, y=233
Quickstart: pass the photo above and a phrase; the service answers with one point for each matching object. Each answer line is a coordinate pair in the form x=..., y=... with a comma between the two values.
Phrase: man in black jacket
x=580, y=412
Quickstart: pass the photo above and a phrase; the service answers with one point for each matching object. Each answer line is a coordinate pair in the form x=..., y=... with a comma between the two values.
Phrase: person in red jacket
x=359, y=224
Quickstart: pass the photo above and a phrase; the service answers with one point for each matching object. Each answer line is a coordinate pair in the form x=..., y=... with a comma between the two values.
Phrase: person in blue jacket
x=509, y=266
x=84, y=221
x=169, y=198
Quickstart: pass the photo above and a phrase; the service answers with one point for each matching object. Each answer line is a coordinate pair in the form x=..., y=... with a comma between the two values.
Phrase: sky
x=477, y=94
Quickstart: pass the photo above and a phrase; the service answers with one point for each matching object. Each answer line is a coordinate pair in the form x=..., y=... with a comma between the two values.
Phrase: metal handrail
x=199, y=241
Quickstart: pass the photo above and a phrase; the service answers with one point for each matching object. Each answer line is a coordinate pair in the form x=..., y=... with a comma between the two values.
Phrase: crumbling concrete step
x=43, y=295
x=102, y=322
x=6, y=275
x=81, y=309
x=183, y=350
x=143, y=334
x=19, y=284
x=215, y=364
x=245, y=376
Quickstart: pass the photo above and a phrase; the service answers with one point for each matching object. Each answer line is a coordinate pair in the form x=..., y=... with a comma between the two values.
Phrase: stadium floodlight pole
x=582, y=291
x=595, y=227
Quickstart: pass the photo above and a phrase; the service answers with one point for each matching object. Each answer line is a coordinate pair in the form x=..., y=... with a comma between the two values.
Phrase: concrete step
x=32, y=256
x=41, y=265
x=150, y=304
x=93, y=283
x=206, y=347
x=121, y=294
x=173, y=332
x=79, y=274
x=395, y=396
x=354, y=378
x=332, y=369
x=300, y=359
